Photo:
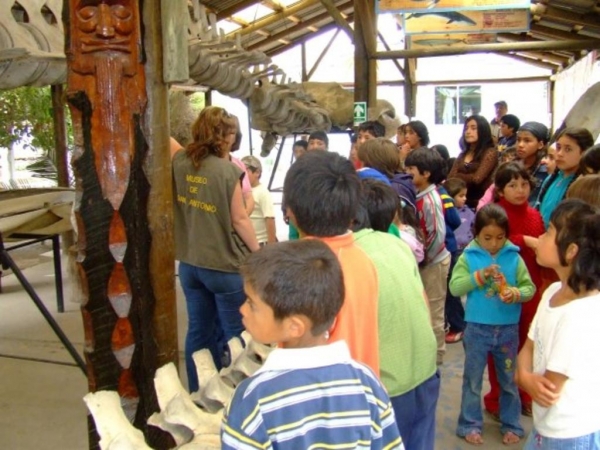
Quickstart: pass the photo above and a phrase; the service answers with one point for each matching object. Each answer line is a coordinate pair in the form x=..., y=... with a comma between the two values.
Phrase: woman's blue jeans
x=213, y=301
x=539, y=442
x=502, y=342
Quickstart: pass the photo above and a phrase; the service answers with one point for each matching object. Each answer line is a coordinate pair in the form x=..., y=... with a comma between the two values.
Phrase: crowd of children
x=396, y=252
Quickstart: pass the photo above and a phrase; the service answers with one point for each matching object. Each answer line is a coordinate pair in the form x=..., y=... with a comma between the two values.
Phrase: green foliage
x=197, y=101
x=26, y=117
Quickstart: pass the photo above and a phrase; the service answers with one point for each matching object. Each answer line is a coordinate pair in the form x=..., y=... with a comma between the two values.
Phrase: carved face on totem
x=104, y=26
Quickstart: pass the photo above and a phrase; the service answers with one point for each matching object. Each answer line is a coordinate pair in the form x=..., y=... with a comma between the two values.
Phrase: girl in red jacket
x=513, y=187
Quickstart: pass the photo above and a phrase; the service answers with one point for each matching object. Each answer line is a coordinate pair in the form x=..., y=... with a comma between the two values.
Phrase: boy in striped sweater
x=427, y=169
x=308, y=394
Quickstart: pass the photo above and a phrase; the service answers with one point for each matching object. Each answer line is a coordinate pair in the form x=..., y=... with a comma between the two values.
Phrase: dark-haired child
x=560, y=362
x=322, y=192
x=299, y=148
x=416, y=136
x=452, y=221
x=494, y=277
x=549, y=161
x=370, y=130
x=427, y=169
x=509, y=124
x=590, y=161
x=407, y=345
x=455, y=312
x=570, y=145
x=308, y=393
x=513, y=185
x=532, y=141
x=318, y=140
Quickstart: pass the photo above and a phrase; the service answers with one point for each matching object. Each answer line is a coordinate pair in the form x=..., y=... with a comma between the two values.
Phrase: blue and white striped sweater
x=330, y=401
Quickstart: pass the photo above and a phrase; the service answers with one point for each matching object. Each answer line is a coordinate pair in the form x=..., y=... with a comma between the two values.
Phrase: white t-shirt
x=263, y=208
x=566, y=340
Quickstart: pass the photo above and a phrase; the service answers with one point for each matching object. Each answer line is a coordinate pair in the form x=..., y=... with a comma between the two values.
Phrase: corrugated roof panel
x=253, y=13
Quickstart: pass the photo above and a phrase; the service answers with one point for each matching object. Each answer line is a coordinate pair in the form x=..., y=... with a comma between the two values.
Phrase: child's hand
x=510, y=295
x=541, y=389
x=491, y=271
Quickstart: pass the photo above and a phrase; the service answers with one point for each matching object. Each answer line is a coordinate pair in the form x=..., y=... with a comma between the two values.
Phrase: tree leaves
x=26, y=118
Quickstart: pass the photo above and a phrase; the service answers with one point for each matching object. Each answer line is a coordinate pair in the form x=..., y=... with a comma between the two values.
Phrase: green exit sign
x=360, y=112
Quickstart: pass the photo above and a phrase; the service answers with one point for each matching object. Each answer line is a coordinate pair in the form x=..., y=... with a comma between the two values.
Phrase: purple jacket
x=464, y=233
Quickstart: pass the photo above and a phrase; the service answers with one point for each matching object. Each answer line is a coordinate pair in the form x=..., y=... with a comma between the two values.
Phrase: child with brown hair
x=559, y=362
x=513, y=185
x=495, y=280
x=587, y=189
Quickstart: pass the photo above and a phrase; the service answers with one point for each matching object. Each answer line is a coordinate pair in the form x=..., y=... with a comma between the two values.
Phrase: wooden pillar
x=410, y=87
x=124, y=208
x=60, y=134
x=303, y=60
x=365, y=47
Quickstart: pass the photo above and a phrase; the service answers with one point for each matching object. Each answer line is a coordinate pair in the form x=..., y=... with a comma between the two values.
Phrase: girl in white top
x=559, y=365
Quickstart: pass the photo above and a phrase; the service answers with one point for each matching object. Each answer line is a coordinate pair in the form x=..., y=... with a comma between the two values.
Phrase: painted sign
x=401, y=6
x=449, y=40
x=360, y=112
x=492, y=21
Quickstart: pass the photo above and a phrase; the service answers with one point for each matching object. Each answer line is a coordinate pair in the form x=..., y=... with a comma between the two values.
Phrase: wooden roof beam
x=532, y=62
x=298, y=27
x=540, y=30
x=543, y=56
x=239, y=6
x=278, y=50
x=338, y=18
x=564, y=16
x=546, y=57
x=572, y=45
x=275, y=17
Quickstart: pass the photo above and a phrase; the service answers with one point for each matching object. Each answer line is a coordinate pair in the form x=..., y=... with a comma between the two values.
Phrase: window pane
x=446, y=105
x=469, y=101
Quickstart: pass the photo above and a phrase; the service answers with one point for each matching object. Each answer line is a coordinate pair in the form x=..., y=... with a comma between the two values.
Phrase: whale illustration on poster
x=488, y=21
x=400, y=6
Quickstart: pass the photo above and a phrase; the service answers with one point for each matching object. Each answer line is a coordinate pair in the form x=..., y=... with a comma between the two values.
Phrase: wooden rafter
x=315, y=66
x=571, y=18
x=545, y=57
x=540, y=30
x=282, y=48
x=338, y=18
x=389, y=49
x=574, y=45
x=305, y=24
x=239, y=6
x=542, y=56
x=275, y=17
x=532, y=62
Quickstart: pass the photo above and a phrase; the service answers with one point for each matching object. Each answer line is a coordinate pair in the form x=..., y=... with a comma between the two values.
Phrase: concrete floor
x=41, y=389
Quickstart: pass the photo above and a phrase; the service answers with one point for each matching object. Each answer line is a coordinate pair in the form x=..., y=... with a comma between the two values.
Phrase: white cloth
x=307, y=358
x=566, y=340
x=263, y=208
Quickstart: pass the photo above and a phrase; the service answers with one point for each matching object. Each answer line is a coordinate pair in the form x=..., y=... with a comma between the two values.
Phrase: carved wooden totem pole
x=117, y=248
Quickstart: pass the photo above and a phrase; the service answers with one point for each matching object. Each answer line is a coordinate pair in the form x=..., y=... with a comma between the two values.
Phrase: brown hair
x=454, y=185
x=586, y=188
x=380, y=154
x=209, y=134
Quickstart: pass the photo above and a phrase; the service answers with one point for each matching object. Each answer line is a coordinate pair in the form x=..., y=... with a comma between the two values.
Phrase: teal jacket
x=483, y=303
